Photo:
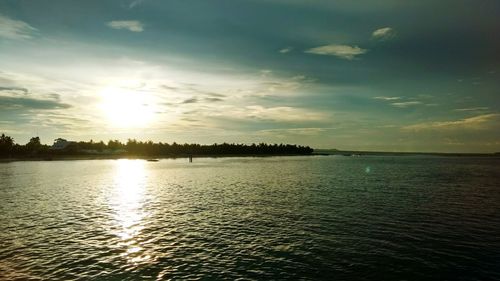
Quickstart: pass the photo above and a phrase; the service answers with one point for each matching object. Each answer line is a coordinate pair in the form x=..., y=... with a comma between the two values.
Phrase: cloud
x=265, y=72
x=294, y=131
x=405, y=103
x=60, y=120
x=286, y=50
x=216, y=95
x=341, y=51
x=476, y=122
x=135, y=3
x=270, y=85
x=383, y=33
x=15, y=29
x=387, y=98
x=191, y=100
x=213, y=99
x=13, y=89
x=206, y=99
x=131, y=25
x=472, y=109
x=13, y=103
x=281, y=114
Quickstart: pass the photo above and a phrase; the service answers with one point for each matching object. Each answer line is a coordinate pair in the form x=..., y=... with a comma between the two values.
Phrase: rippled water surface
x=281, y=218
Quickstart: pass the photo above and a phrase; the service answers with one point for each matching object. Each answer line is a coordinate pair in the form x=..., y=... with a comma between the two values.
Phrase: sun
x=126, y=108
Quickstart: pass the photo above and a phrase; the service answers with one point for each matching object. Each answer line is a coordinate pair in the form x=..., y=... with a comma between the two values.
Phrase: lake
x=274, y=218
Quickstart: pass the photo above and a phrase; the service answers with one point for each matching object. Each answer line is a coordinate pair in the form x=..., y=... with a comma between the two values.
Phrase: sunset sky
x=367, y=75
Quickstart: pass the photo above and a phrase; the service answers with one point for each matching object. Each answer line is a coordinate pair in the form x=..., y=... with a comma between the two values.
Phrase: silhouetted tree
x=115, y=144
x=6, y=145
x=34, y=145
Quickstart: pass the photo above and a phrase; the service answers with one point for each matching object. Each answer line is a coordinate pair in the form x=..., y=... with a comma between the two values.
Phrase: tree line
x=133, y=147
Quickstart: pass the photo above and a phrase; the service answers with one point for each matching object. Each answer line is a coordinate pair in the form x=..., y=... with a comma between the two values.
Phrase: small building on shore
x=60, y=144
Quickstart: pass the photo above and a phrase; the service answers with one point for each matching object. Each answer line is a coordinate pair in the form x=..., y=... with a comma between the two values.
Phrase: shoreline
x=141, y=157
x=159, y=157
x=353, y=153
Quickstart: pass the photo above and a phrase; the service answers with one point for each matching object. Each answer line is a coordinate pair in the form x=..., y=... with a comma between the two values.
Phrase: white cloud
x=15, y=29
x=341, y=51
x=286, y=50
x=383, y=33
x=387, y=98
x=476, y=122
x=406, y=103
x=270, y=84
x=403, y=102
x=135, y=3
x=472, y=109
x=285, y=114
x=131, y=25
x=265, y=72
x=294, y=131
x=273, y=114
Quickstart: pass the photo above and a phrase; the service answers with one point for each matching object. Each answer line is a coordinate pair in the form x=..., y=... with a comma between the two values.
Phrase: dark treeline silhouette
x=8, y=148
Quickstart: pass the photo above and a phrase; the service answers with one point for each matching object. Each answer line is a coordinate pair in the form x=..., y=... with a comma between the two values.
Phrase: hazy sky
x=370, y=75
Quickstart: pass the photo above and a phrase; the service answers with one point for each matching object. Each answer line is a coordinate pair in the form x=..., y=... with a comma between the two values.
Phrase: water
x=282, y=218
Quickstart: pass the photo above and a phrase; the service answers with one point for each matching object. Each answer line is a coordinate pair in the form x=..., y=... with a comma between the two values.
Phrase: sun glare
x=125, y=108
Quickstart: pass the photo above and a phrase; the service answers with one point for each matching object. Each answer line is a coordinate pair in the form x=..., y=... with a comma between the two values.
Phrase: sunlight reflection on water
x=128, y=203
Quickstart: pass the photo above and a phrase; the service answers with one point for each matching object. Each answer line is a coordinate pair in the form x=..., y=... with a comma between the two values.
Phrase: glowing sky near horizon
x=363, y=75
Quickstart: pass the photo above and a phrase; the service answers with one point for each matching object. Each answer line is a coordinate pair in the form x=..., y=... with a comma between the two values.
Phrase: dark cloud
x=166, y=87
x=216, y=95
x=191, y=100
x=13, y=89
x=30, y=103
x=187, y=119
x=206, y=99
x=54, y=96
x=213, y=99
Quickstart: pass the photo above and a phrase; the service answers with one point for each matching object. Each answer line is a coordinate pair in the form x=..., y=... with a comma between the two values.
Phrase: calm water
x=283, y=218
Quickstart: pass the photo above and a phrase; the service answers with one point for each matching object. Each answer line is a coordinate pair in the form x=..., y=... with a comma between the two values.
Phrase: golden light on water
x=130, y=214
x=127, y=108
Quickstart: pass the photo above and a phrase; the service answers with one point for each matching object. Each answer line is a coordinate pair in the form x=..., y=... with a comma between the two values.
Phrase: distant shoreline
x=140, y=157
x=386, y=153
x=315, y=153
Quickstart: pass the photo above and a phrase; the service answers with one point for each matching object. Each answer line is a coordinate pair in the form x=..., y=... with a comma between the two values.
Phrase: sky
x=385, y=75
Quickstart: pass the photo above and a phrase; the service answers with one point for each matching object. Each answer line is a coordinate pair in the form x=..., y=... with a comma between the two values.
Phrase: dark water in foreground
x=283, y=218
